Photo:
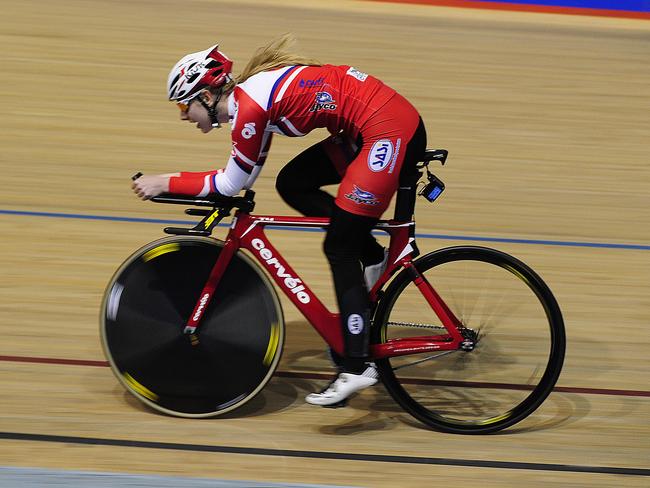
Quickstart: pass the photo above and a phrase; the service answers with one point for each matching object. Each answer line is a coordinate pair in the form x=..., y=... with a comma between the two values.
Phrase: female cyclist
x=376, y=138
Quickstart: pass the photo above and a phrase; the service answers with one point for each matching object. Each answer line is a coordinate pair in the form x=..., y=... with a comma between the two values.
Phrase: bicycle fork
x=223, y=260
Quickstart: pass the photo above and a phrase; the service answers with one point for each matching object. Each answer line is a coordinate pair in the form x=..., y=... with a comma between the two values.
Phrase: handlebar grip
x=136, y=176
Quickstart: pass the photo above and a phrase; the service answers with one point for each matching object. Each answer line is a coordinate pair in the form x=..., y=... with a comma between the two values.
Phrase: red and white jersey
x=293, y=101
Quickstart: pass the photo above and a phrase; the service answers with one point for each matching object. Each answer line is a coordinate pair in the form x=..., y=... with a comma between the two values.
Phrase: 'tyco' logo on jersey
x=324, y=101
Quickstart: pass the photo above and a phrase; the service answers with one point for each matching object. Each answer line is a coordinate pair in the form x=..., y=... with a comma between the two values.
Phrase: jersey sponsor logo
x=355, y=73
x=324, y=97
x=291, y=283
x=324, y=101
x=397, y=146
x=311, y=83
x=355, y=324
x=380, y=155
x=249, y=130
x=361, y=196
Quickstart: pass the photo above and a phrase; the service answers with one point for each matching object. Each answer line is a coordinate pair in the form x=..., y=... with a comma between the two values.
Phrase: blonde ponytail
x=274, y=55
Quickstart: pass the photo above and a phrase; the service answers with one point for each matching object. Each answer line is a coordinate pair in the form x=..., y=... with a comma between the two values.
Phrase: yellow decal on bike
x=517, y=274
x=494, y=420
x=274, y=340
x=211, y=218
x=157, y=251
x=139, y=388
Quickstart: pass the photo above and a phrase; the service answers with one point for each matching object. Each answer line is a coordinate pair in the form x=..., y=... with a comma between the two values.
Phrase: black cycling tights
x=348, y=245
x=343, y=246
x=299, y=184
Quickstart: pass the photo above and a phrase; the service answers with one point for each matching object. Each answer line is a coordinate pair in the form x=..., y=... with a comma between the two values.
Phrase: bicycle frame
x=247, y=232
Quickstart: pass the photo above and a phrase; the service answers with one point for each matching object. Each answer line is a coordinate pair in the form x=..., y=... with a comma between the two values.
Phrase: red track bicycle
x=466, y=339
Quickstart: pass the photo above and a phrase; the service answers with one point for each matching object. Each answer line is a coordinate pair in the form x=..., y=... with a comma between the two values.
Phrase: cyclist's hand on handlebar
x=148, y=186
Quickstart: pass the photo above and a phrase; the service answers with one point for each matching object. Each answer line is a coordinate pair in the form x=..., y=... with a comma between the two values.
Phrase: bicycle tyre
x=474, y=392
x=237, y=346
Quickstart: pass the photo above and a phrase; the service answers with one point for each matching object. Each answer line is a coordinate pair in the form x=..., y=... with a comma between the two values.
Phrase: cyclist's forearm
x=196, y=184
x=237, y=174
x=226, y=182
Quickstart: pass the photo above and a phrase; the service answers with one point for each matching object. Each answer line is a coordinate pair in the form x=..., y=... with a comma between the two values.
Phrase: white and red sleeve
x=250, y=144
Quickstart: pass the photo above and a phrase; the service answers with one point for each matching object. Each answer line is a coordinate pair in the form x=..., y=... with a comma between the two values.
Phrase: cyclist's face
x=197, y=114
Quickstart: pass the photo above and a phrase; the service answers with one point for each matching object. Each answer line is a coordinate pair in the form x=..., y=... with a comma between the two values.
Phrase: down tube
x=326, y=323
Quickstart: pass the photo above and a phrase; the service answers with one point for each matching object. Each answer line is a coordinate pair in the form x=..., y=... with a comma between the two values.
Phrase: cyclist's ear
x=207, y=96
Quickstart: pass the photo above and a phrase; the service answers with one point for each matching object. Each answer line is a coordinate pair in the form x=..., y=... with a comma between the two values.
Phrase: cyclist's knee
x=293, y=186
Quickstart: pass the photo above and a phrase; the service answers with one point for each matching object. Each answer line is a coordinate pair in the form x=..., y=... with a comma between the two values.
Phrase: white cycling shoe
x=343, y=386
x=372, y=273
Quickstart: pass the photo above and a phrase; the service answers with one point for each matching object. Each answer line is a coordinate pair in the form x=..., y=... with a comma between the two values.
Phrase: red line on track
x=474, y=384
x=322, y=376
x=73, y=362
x=548, y=9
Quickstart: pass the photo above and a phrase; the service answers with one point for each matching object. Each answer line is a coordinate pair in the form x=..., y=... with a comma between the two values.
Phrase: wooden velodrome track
x=547, y=121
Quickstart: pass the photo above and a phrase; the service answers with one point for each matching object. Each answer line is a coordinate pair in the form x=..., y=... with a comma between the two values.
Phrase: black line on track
x=326, y=455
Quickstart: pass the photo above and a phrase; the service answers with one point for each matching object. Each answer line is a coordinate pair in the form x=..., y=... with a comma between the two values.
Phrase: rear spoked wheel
x=237, y=345
x=515, y=341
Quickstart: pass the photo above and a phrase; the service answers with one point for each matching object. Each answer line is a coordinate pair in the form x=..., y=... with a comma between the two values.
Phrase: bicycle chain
x=413, y=324
x=465, y=331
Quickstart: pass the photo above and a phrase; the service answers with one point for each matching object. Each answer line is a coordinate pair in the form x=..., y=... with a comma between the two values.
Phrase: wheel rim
x=142, y=332
x=517, y=355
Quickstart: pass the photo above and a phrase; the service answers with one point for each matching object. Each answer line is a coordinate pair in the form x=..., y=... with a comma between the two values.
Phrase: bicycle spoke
x=429, y=358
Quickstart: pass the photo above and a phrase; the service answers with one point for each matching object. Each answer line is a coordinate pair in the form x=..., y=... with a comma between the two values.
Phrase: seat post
x=406, y=193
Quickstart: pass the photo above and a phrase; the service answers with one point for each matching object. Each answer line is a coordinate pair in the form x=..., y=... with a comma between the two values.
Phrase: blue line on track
x=543, y=242
x=629, y=5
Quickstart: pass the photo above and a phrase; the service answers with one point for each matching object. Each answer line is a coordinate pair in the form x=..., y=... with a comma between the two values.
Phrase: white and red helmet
x=204, y=69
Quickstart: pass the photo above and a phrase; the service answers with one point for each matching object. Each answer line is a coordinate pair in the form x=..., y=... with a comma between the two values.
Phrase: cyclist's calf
x=344, y=247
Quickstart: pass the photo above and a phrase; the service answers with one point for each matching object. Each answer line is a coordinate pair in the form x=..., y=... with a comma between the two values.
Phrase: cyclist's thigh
x=341, y=150
x=372, y=177
x=322, y=164
x=310, y=168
